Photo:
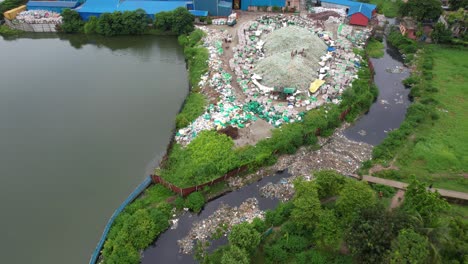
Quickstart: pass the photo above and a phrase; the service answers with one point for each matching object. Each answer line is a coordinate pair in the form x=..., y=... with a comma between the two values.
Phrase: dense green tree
x=354, y=196
x=328, y=231
x=421, y=9
x=441, y=34
x=307, y=206
x=195, y=201
x=455, y=249
x=409, y=248
x=457, y=4
x=245, y=237
x=91, y=26
x=71, y=21
x=235, y=255
x=329, y=183
x=182, y=21
x=164, y=20
x=370, y=234
x=429, y=205
x=104, y=25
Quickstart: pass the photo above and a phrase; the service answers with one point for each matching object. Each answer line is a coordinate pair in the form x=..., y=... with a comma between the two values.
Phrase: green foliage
x=409, y=248
x=207, y=157
x=421, y=9
x=354, y=196
x=194, y=106
x=405, y=45
x=179, y=202
x=126, y=23
x=328, y=231
x=6, y=31
x=455, y=249
x=244, y=236
x=179, y=21
x=329, y=183
x=71, y=21
x=388, y=8
x=195, y=201
x=279, y=215
x=164, y=20
x=10, y=4
x=387, y=191
x=441, y=34
x=370, y=233
x=137, y=226
x=259, y=225
x=196, y=55
x=135, y=233
x=426, y=204
x=375, y=48
x=91, y=26
x=235, y=255
x=458, y=4
x=307, y=208
x=276, y=9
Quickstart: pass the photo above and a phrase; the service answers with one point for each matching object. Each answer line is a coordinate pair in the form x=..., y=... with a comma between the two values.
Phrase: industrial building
x=358, y=13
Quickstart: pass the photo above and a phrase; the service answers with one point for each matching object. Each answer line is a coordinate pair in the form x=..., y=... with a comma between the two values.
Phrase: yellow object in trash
x=12, y=13
x=315, y=85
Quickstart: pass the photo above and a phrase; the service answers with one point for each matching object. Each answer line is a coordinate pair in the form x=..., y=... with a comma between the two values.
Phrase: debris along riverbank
x=220, y=223
x=273, y=76
x=336, y=153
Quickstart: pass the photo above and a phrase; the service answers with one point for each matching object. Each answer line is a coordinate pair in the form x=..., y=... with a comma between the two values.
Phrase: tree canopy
x=421, y=9
x=429, y=205
x=409, y=248
x=245, y=237
x=354, y=196
x=307, y=206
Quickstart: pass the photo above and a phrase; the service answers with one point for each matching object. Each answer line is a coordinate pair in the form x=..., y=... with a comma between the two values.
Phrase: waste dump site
x=281, y=67
x=271, y=70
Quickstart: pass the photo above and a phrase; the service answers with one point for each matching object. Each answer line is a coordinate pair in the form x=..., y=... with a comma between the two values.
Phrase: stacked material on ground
x=39, y=17
x=292, y=57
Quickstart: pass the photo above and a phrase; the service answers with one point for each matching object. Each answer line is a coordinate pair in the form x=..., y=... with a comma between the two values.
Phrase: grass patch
x=375, y=48
x=387, y=7
x=193, y=108
x=6, y=31
x=438, y=153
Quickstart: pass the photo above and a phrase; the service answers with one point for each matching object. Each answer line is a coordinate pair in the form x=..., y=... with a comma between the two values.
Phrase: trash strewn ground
x=336, y=153
x=305, y=77
x=220, y=223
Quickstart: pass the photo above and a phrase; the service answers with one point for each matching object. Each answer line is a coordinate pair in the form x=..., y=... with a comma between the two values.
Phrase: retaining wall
x=31, y=27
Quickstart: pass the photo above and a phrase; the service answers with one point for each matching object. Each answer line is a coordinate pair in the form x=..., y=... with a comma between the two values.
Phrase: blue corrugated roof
x=349, y=3
x=360, y=9
x=109, y=6
x=199, y=13
x=68, y=4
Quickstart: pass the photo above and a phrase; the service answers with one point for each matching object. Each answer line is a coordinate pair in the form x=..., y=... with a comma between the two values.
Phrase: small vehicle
x=232, y=19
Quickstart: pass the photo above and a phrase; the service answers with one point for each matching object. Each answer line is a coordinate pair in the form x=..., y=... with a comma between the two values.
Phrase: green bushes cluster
x=179, y=21
x=421, y=111
x=108, y=24
x=137, y=226
x=6, y=31
x=195, y=201
x=405, y=45
x=10, y=4
x=194, y=106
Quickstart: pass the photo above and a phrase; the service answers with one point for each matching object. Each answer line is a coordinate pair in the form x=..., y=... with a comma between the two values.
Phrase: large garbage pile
x=39, y=17
x=292, y=57
x=283, y=103
x=221, y=221
x=336, y=153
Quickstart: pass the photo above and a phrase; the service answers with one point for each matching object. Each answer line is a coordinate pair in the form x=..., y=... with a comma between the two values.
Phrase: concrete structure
x=408, y=27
